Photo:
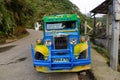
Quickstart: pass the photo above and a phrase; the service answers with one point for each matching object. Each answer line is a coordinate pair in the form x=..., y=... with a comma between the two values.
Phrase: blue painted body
x=69, y=51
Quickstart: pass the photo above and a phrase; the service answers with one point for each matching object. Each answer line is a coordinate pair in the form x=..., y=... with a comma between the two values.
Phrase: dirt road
x=16, y=63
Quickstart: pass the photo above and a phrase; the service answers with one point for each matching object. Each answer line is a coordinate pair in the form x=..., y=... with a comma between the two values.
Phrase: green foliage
x=102, y=19
x=6, y=23
x=18, y=13
x=14, y=13
x=48, y=7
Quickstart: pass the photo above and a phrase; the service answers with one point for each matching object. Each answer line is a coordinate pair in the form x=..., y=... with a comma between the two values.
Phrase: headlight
x=73, y=41
x=48, y=42
x=38, y=41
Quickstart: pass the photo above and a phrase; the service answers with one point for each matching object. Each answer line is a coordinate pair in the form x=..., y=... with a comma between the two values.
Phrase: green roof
x=62, y=17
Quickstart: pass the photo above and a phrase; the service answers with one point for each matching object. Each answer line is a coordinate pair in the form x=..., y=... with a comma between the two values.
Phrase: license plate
x=61, y=60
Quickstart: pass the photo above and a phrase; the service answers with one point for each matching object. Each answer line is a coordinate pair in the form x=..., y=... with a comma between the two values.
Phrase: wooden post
x=94, y=25
x=85, y=27
x=94, y=28
x=115, y=35
x=110, y=11
x=107, y=31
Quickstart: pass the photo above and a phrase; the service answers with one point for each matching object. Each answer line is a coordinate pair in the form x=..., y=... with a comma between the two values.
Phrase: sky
x=86, y=6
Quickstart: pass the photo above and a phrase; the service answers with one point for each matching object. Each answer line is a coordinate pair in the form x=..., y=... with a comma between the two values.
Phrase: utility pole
x=115, y=34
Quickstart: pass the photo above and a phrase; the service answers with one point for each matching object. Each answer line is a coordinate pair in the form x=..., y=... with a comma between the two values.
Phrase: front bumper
x=80, y=62
x=75, y=69
x=77, y=65
x=74, y=65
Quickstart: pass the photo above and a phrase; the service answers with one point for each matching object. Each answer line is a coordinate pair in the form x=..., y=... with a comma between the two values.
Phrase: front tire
x=82, y=55
x=39, y=56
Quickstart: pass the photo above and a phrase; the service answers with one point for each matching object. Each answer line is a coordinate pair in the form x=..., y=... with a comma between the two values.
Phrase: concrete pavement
x=16, y=62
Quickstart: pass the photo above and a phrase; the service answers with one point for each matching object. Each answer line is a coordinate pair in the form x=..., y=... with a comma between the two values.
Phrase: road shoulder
x=100, y=68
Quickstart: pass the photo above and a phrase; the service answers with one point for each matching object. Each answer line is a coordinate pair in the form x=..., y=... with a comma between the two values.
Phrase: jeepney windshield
x=61, y=25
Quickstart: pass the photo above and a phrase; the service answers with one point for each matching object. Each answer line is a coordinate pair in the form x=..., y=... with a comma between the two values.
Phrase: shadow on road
x=3, y=49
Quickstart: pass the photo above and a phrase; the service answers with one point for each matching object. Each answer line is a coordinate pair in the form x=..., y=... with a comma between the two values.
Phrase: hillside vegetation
x=16, y=15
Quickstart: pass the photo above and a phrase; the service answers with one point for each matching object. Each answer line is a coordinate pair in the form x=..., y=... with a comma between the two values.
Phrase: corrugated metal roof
x=102, y=8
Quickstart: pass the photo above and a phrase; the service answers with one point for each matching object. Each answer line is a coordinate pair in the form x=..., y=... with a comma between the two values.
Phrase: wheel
x=39, y=56
x=82, y=55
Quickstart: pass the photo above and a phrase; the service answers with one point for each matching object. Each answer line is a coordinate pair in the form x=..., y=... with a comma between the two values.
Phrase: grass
x=104, y=52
